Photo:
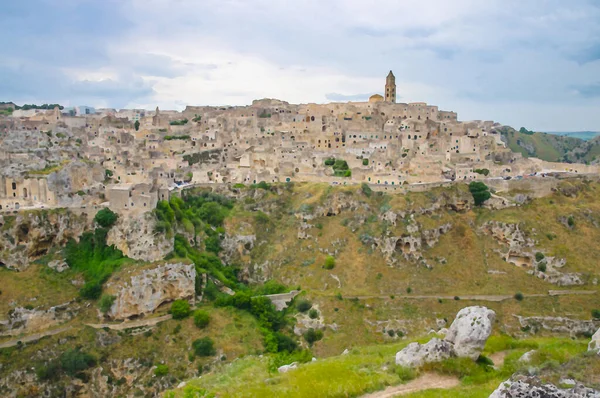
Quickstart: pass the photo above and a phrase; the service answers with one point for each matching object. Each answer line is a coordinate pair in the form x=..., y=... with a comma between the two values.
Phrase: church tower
x=390, y=88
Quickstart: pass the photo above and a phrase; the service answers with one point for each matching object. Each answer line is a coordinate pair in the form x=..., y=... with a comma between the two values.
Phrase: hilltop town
x=131, y=158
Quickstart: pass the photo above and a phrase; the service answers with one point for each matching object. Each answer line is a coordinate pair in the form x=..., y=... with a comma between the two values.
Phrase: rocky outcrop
x=236, y=246
x=470, y=330
x=416, y=355
x=141, y=291
x=526, y=387
x=338, y=202
x=465, y=338
x=135, y=236
x=58, y=265
x=28, y=236
x=522, y=253
x=594, y=345
x=23, y=320
x=562, y=325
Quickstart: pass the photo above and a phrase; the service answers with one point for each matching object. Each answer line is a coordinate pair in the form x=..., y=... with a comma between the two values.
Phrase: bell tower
x=390, y=88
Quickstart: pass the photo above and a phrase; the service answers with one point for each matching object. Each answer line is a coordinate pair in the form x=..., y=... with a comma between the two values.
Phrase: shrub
x=204, y=347
x=366, y=189
x=329, y=162
x=161, y=370
x=303, y=305
x=409, y=290
x=539, y=256
x=365, y=162
x=596, y=314
x=106, y=301
x=312, y=335
x=201, y=319
x=180, y=309
x=571, y=221
x=405, y=374
x=329, y=262
x=136, y=125
x=338, y=296
x=519, y=296
x=541, y=267
x=313, y=314
x=91, y=290
x=456, y=298
x=483, y=360
x=391, y=332
x=51, y=371
x=485, y=172
x=480, y=192
x=106, y=218
x=73, y=361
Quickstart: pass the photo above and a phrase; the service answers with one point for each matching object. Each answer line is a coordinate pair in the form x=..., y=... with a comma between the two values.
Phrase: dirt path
x=479, y=297
x=498, y=358
x=426, y=381
x=34, y=337
x=130, y=324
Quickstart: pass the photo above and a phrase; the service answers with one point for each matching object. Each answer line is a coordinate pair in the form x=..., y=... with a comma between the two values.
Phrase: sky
x=532, y=63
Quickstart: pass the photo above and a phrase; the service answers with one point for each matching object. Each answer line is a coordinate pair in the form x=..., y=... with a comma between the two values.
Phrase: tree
x=137, y=125
x=204, y=347
x=201, y=319
x=480, y=192
x=329, y=262
x=106, y=301
x=106, y=218
x=180, y=309
x=74, y=361
x=303, y=305
x=312, y=335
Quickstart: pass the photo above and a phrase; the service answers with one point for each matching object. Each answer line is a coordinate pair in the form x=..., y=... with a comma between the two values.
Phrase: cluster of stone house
x=143, y=153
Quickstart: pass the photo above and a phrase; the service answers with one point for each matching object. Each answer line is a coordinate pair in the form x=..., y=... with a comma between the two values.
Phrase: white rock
x=181, y=385
x=346, y=352
x=313, y=359
x=415, y=355
x=526, y=358
x=58, y=265
x=470, y=330
x=286, y=368
x=594, y=345
x=533, y=387
x=443, y=331
x=567, y=382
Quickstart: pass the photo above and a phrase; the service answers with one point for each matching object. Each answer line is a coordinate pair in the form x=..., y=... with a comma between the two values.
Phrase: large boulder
x=594, y=345
x=532, y=387
x=470, y=330
x=415, y=355
x=141, y=290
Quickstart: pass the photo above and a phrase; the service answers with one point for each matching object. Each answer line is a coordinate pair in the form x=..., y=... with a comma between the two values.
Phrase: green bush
x=180, y=309
x=108, y=173
x=106, y=218
x=49, y=372
x=136, y=125
x=456, y=298
x=201, y=319
x=366, y=189
x=91, y=290
x=485, y=172
x=519, y=296
x=391, y=332
x=329, y=262
x=161, y=370
x=106, y=301
x=329, y=162
x=405, y=374
x=480, y=192
x=571, y=221
x=311, y=336
x=541, y=267
x=303, y=305
x=539, y=256
x=204, y=347
x=409, y=290
x=73, y=361
x=596, y=314
x=313, y=314
x=365, y=162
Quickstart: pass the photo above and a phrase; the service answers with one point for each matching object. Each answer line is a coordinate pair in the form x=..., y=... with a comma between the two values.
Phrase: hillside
x=552, y=147
x=376, y=270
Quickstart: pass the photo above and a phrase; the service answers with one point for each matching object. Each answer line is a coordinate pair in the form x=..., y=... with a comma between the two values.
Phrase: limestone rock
x=22, y=320
x=135, y=237
x=287, y=368
x=561, y=325
x=235, y=246
x=58, y=265
x=140, y=291
x=526, y=358
x=594, y=345
x=532, y=387
x=470, y=330
x=415, y=355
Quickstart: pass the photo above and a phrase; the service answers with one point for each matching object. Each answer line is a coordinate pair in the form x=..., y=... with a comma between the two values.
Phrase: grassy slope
x=361, y=271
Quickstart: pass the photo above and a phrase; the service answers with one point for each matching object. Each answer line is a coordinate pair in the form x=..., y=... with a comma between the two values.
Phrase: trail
x=477, y=297
x=426, y=381
x=131, y=324
x=34, y=337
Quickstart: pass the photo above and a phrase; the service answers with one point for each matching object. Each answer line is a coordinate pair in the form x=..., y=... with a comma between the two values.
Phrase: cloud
x=466, y=55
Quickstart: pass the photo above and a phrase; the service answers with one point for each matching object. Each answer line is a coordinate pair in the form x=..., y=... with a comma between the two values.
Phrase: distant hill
x=584, y=135
x=569, y=147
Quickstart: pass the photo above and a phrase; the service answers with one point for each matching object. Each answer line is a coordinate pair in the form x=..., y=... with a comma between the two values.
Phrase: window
x=14, y=185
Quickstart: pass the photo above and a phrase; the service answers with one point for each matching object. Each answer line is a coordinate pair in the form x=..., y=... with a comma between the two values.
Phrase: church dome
x=375, y=98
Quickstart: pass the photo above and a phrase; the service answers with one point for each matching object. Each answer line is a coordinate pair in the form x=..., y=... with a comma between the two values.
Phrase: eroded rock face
x=144, y=290
x=527, y=387
x=562, y=325
x=28, y=236
x=594, y=345
x=236, y=246
x=136, y=238
x=21, y=320
x=415, y=355
x=470, y=330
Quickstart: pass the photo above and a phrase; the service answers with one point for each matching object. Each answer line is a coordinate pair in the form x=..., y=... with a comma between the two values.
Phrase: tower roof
x=390, y=74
